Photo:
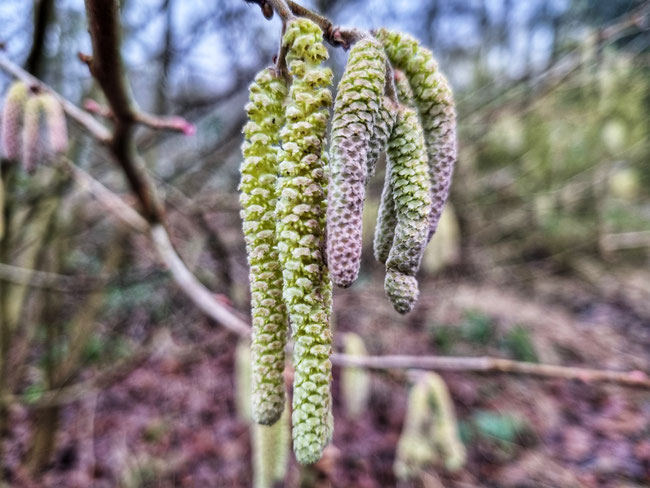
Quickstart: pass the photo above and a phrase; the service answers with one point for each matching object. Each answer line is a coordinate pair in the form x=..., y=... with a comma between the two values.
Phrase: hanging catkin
x=300, y=213
x=411, y=187
x=12, y=119
x=356, y=119
x=386, y=218
x=55, y=124
x=435, y=104
x=258, y=199
x=33, y=148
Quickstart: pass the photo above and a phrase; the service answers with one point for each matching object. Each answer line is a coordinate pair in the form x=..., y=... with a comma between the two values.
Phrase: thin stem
x=336, y=36
x=280, y=6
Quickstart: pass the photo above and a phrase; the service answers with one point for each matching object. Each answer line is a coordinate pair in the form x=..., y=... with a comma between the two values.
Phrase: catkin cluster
x=34, y=128
x=302, y=202
x=284, y=190
x=435, y=104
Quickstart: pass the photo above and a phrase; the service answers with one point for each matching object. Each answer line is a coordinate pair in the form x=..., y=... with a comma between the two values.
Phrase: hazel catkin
x=435, y=104
x=12, y=119
x=300, y=213
x=356, y=119
x=32, y=146
x=386, y=217
x=55, y=124
x=410, y=186
x=258, y=198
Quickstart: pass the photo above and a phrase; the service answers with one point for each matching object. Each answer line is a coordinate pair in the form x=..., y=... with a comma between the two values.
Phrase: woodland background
x=543, y=255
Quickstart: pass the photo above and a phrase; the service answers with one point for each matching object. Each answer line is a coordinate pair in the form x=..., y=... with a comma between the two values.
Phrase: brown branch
x=161, y=345
x=193, y=288
x=336, y=36
x=172, y=123
x=280, y=6
x=111, y=202
x=47, y=280
x=637, y=379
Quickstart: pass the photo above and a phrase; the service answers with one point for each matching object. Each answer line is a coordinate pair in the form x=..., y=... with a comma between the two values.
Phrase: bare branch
x=111, y=202
x=484, y=364
x=193, y=287
x=280, y=6
x=48, y=280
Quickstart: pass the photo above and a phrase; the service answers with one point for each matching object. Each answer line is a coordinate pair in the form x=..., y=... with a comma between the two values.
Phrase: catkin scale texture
x=258, y=199
x=356, y=119
x=411, y=191
x=386, y=217
x=301, y=213
x=435, y=105
x=12, y=119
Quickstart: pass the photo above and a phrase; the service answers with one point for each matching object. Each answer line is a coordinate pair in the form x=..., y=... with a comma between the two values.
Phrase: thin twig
x=280, y=6
x=336, y=36
x=47, y=280
x=484, y=364
x=172, y=123
x=160, y=345
x=193, y=287
x=111, y=202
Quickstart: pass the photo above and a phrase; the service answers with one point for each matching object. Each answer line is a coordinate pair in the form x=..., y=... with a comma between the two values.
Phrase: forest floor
x=173, y=422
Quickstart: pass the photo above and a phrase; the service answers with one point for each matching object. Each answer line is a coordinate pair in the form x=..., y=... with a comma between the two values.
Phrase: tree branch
x=485, y=364
x=334, y=35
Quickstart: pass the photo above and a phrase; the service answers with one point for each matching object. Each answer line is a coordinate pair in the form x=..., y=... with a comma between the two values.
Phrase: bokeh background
x=543, y=253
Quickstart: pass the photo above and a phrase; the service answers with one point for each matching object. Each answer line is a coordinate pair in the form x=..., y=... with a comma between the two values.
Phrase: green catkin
x=415, y=450
x=404, y=91
x=386, y=218
x=12, y=119
x=430, y=432
x=435, y=104
x=271, y=446
x=444, y=428
x=356, y=119
x=301, y=213
x=411, y=187
x=243, y=387
x=258, y=200
x=355, y=382
x=32, y=146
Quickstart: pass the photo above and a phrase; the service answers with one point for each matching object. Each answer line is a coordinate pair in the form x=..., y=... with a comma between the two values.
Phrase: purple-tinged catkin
x=12, y=119
x=356, y=114
x=55, y=124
